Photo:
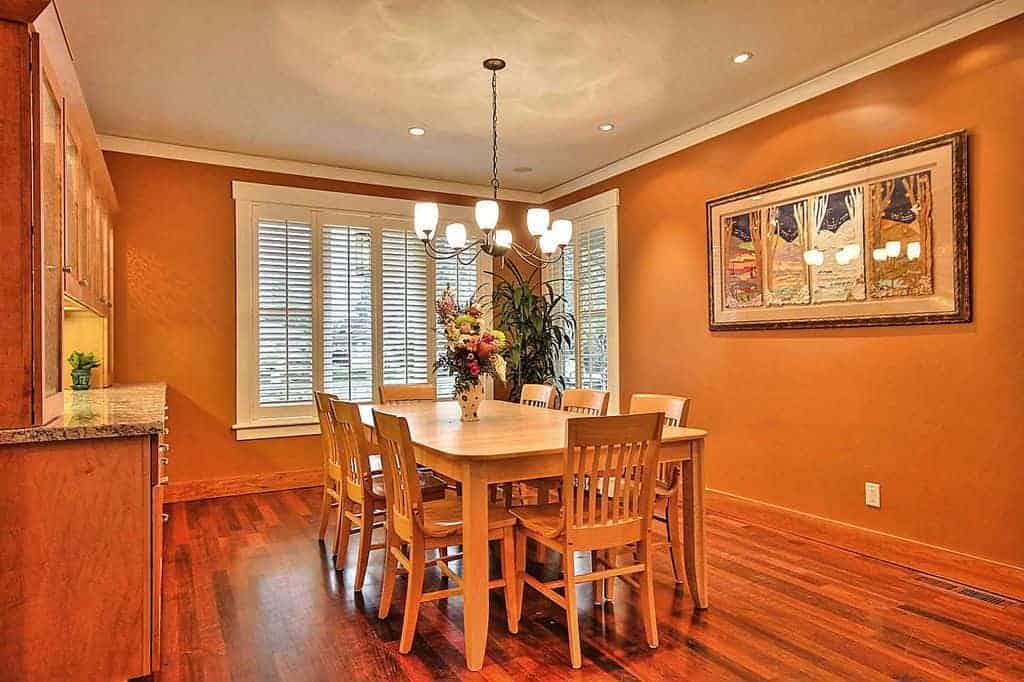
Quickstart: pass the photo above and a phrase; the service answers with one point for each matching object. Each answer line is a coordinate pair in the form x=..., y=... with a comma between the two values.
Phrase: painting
x=878, y=240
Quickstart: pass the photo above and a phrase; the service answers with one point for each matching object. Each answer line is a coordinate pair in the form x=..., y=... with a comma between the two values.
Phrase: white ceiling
x=340, y=82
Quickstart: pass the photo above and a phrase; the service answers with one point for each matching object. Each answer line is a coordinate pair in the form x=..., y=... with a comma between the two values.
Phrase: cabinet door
x=51, y=180
x=72, y=222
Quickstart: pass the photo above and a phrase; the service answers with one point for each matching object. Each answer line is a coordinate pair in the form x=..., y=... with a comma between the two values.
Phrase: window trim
x=255, y=422
x=605, y=208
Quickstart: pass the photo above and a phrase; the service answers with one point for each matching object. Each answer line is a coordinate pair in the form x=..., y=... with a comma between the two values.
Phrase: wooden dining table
x=513, y=442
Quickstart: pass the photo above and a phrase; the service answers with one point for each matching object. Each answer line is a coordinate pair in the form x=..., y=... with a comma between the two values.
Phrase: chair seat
x=545, y=519
x=432, y=487
x=444, y=516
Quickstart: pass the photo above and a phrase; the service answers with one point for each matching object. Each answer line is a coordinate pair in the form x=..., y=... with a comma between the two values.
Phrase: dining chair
x=407, y=393
x=363, y=497
x=613, y=453
x=421, y=526
x=585, y=401
x=334, y=492
x=537, y=395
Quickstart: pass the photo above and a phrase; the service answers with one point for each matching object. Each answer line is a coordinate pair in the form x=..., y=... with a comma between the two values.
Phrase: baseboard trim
x=985, y=574
x=186, y=491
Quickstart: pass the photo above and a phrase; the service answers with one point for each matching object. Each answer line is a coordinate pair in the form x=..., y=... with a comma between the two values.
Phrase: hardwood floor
x=249, y=594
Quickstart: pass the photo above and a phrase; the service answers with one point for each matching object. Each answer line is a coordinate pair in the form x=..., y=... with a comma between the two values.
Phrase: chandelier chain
x=494, y=133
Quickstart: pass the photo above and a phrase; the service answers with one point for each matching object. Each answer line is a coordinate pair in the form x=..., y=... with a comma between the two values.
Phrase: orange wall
x=174, y=289
x=802, y=419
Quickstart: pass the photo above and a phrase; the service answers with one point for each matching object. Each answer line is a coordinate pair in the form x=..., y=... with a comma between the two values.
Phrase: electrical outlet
x=873, y=494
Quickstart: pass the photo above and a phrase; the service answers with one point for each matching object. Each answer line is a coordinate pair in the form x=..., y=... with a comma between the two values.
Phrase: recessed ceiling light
x=417, y=131
x=606, y=127
x=742, y=57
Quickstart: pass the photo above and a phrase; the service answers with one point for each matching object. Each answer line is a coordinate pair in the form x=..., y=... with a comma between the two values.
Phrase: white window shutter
x=592, y=309
x=404, y=308
x=285, y=312
x=462, y=278
x=347, y=301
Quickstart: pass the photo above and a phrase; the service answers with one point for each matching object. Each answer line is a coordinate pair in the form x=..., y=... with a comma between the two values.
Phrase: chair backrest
x=353, y=448
x=328, y=439
x=585, y=401
x=617, y=456
x=537, y=395
x=407, y=393
x=401, y=479
x=676, y=409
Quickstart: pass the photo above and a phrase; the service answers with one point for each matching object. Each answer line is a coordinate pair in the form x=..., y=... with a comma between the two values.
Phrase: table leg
x=475, y=565
x=676, y=529
x=693, y=532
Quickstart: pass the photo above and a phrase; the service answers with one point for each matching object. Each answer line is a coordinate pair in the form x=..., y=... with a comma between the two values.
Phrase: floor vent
x=970, y=592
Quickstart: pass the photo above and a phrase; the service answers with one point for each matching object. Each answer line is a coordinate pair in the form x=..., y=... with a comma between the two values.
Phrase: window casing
x=334, y=292
x=587, y=276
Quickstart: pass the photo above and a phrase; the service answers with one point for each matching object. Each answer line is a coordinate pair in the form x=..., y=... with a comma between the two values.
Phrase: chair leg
x=508, y=572
x=413, y=595
x=674, y=529
x=647, y=607
x=325, y=508
x=520, y=574
x=612, y=557
x=365, y=540
x=572, y=617
x=598, y=584
x=341, y=539
x=387, y=588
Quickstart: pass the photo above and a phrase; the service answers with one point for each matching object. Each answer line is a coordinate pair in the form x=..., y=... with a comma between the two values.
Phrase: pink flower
x=474, y=368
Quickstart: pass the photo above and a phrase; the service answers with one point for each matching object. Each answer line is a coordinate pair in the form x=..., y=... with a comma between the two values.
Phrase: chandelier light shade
x=425, y=219
x=486, y=214
x=551, y=238
x=455, y=235
x=537, y=221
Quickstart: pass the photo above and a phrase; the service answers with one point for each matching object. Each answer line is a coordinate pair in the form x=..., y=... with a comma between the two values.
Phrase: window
x=587, y=276
x=334, y=293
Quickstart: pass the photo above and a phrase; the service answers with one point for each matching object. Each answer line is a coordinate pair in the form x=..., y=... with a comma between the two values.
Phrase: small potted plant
x=82, y=365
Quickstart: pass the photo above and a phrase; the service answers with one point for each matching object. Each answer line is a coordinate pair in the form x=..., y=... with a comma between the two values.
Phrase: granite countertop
x=122, y=410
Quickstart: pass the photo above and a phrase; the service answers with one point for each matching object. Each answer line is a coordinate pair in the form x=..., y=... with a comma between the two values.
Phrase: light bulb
x=562, y=231
x=425, y=219
x=842, y=257
x=814, y=257
x=455, y=235
x=548, y=243
x=503, y=238
x=537, y=220
x=879, y=255
x=913, y=250
x=852, y=250
x=892, y=249
x=486, y=214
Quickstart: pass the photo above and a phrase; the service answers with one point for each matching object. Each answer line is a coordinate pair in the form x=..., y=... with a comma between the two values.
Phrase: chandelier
x=550, y=238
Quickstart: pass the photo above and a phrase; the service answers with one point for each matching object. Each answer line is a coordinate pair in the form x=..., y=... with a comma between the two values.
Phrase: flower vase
x=469, y=402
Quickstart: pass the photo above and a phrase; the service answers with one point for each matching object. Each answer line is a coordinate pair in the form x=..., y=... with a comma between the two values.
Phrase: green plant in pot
x=82, y=365
x=539, y=330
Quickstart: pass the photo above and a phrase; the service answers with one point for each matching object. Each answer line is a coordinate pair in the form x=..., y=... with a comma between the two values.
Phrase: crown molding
x=163, y=150
x=941, y=34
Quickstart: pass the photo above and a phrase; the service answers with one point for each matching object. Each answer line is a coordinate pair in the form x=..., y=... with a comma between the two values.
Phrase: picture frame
x=882, y=239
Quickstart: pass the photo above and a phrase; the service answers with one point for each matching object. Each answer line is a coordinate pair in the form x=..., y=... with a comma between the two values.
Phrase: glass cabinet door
x=52, y=215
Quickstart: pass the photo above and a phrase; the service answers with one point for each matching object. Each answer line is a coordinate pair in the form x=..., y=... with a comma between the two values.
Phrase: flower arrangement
x=470, y=351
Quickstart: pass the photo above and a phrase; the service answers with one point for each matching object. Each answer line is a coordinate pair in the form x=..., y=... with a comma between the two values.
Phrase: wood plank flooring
x=249, y=594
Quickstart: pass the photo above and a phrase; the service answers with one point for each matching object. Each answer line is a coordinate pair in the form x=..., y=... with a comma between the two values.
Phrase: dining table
x=513, y=442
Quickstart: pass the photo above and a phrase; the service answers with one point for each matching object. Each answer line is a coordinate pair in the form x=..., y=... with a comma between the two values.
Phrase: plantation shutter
x=347, y=300
x=566, y=285
x=592, y=309
x=284, y=312
x=462, y=278
x=404, y=308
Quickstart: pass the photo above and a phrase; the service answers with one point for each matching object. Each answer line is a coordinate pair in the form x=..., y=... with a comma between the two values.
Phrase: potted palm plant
x=539, y=330
x=82, y=365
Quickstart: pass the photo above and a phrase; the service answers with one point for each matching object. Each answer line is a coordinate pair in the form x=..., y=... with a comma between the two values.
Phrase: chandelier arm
x=536, y=259
x=438, y=254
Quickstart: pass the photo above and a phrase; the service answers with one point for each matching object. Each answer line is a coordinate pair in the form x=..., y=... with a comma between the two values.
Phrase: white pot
x=469, y=402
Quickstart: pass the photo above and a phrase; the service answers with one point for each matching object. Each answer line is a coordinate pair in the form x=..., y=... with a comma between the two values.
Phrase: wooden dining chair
x=407, y=393
x=611, y=453
x=537, y=395
x=421, y=526
x=676, y=410
x=334, y=492
x=363, y=498
x=585, y=401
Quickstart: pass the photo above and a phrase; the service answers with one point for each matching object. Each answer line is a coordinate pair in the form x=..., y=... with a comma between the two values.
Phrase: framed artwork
x=879, y=240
